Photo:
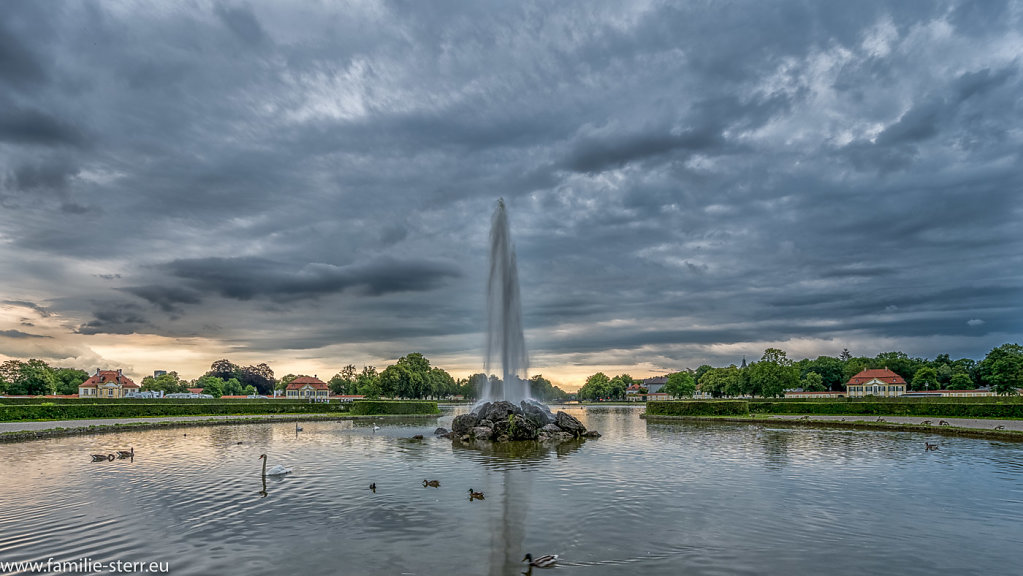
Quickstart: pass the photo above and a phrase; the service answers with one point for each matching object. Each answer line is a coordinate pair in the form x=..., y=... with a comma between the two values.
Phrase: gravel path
x=959, y=422
x=50, y=424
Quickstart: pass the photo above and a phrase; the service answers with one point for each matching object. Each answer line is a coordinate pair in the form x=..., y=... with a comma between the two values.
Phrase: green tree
x=33, y=378
x=944, y=373
x=223, y=369
x=899, y=363
x=394, y=381
x=168, y=383
x=773, y=374
x=926, y=378
x=261, y=377
x=813, y=382
x=831, y=370
x=249, y=390
x=212, y=385
x=472, y=387
x=232, y=387
x=344, y=382
x=368, y=382
x=961, y=381
x=68, y=379
x=703, y=369
x=680, y=384
x=597, y=386
x=441, y=383
x=1002, y=369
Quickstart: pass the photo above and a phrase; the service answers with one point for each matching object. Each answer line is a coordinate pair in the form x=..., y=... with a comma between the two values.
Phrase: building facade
x=875, y=382
x=307, y=387
x=107, y=384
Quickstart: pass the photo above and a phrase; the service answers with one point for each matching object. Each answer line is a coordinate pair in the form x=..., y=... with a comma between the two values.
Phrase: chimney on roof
x=119, y=372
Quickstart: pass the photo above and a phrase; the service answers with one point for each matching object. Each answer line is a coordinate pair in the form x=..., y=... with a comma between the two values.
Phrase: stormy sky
x=311, y=184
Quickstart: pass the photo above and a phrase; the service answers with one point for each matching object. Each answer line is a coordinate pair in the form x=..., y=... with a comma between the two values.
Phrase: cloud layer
x=312, y=185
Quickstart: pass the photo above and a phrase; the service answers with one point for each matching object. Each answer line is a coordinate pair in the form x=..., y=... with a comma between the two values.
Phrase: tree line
x=411, y=377
x=1001, y=370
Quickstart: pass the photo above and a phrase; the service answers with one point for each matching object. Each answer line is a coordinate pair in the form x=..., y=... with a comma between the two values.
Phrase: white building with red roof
x=875, y=382
x=307, y=387
x=106, y=384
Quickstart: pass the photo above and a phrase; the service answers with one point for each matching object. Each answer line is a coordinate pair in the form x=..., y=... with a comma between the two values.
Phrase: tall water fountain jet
x=509, y=414
x=505, y=341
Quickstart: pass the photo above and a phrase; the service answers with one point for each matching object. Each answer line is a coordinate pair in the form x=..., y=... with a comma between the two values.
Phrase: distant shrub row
x=1017, y=399
x=44, y=400
x=698, y=408
x=165, y=408
x=839, y=407
x=369, y=407
x=836, y=407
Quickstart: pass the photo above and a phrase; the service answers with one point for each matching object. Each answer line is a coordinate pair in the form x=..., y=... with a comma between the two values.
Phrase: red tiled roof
x=105, y=376
x=883, y=374
x=195, y=390
x=304, y=380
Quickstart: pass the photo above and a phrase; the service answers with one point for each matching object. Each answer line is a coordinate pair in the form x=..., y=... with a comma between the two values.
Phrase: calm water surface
x=707, y=498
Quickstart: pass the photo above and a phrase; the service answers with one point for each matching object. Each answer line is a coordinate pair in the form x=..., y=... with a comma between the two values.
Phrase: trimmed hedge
x=697, y=408
x=1015, y=399
x=949, y=409
x=370, y=407
x=44, y=400
x=165, y=408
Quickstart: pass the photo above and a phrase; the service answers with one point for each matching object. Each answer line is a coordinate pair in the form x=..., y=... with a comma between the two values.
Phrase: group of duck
x=120, y=454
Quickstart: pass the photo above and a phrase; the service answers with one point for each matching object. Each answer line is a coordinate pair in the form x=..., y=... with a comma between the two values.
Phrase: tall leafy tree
x=1002, y=369
x=441, y=383
x=223, y=369
x=831, y=370
x=261, y=377
x=926, y=378
x=597, y=386
x=898, y=362
x=368, y=382
x=680, y=384
x=34, y=378
x=344, y=382
x=773, y=374
x=168, y=383
x=68, y=379
x=813, y=382
x=961, y=381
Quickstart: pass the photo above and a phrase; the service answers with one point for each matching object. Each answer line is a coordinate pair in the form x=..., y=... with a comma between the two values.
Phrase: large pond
x=692, y=498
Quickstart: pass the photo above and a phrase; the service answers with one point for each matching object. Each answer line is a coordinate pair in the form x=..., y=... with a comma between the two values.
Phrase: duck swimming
x=545, y=561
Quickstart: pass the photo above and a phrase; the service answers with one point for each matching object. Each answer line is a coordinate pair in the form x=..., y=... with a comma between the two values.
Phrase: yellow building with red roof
x=875, y=382
x=106, y=384
x=307, y=387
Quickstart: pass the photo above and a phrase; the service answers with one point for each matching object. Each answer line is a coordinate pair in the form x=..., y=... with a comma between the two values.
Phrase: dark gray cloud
x=40, y=310
x=18, y=334
x=685, y=183
x=247, y=278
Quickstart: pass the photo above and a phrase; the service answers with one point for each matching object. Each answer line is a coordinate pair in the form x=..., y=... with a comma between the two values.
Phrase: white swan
x=277, y=470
